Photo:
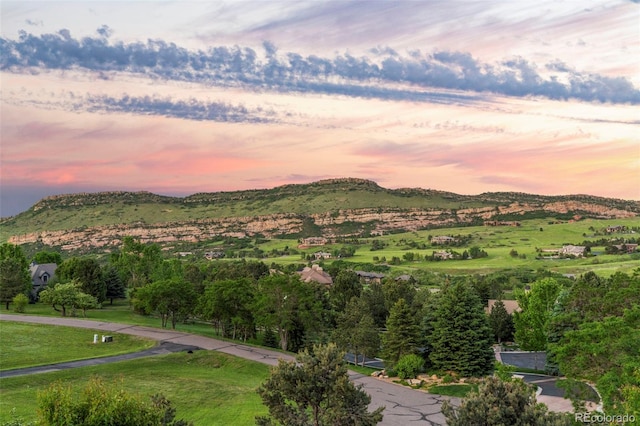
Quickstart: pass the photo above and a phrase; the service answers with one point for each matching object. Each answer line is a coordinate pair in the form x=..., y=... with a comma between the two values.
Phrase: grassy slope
x=497, y=242
x=205, y=387
x=22, y=345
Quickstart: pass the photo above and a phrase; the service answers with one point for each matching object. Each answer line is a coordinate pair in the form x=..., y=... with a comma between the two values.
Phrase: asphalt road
x=403, y=405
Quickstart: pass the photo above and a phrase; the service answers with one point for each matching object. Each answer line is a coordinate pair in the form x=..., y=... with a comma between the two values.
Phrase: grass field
x=498, y=242
x=24, y=345
x=208, y=388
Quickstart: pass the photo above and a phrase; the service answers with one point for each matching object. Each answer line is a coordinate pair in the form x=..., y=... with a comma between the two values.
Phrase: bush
x=102, y=404
x=409, y=366
x=20, y=303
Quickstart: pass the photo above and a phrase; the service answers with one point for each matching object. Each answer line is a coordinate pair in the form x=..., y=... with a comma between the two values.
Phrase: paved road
x=404, y=406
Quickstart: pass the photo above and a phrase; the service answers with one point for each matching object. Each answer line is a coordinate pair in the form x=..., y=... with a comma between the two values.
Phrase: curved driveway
x=404, y=406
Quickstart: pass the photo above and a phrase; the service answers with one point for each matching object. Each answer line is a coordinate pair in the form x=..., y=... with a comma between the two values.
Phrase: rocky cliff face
x=332, y=224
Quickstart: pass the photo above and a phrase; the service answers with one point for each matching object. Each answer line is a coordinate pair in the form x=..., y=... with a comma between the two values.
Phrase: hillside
x=330, y=208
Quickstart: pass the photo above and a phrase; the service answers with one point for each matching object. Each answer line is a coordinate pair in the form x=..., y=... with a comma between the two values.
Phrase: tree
x=604, y=352
x=403, y=333
x=315, y=391
x=461, y=337
x=14, y=273
x=229, y=304
x=501, y=322
x=67, y=296
x=88, y=273
x=532, y=321
x=345, y=286
x=172, y=299
x=115, y=286
x=498, y=402
x=44, y=256
x=285, y=303
x=136, y=261
x=103, y=404
x=356, y=332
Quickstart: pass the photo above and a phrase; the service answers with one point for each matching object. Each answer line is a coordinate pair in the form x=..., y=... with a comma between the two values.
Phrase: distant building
x=321, y=255
x=313, y=241
x=443, y=255
x=442, y=239
x=315, y=274
x=369, y=277
x=626, y=248
x=571, y=250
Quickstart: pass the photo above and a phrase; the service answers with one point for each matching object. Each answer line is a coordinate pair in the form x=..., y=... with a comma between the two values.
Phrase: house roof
x=315, y=274
x=38, y=272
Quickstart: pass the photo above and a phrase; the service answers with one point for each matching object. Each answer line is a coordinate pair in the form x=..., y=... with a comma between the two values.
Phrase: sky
x=180, y=97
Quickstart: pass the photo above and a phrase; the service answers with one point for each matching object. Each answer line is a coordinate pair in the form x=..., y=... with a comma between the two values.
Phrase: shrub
x=409, y=366
x=20, y=303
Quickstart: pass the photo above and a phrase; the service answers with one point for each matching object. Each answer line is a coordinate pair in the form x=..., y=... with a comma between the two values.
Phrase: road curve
x=404, y=406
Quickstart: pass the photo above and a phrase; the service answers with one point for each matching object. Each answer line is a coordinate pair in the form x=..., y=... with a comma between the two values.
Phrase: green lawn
x=27, y=345
x=208, y=388
x=496, y=241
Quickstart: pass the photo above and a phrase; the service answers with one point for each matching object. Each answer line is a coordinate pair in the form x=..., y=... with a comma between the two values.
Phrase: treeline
x=590, y=326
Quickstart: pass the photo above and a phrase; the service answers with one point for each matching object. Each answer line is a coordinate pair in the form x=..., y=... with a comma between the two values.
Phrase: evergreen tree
x=315, y=390
x=498, y=403
x=501, y=322
x=403, y=333
x=115, y=286
x=356, y=332
x=14, y=273
x=461, y=338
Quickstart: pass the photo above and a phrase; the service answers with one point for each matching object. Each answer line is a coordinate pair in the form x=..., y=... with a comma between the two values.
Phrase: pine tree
x=461, y=337
x=501, y=322
x=315, y=390
x=403, y=333
x=498, y=402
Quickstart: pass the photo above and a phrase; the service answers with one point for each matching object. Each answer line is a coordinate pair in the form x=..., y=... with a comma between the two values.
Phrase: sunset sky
x=179, y=97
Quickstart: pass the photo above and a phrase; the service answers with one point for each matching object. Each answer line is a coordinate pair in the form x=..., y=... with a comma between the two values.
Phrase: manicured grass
x=27, y=345
x=496, y=241
x=208, y=388
x=457, y=390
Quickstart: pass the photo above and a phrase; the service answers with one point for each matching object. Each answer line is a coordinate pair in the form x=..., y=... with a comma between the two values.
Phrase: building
x=571, y=250
x=442, y=239
x=41, y=274
x=369, y=277
x=315, y=274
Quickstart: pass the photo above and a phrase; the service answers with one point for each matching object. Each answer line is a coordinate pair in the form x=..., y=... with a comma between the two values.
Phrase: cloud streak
x=383, y=75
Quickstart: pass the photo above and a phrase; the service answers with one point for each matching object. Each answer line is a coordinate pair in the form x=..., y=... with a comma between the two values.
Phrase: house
x=315, y=274
x=626, y=248
x=571, y=250
x=443, y=255
x=41, y=274
x=510, y=306
x=312, y=241
x=368, y=277
x=321, y=255
x=442, y=239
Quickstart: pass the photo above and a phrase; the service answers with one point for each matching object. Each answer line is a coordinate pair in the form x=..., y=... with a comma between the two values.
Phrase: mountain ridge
x=345, y=207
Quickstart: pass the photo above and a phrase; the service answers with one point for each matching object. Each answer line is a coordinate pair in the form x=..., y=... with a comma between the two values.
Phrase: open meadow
x=500, y=242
